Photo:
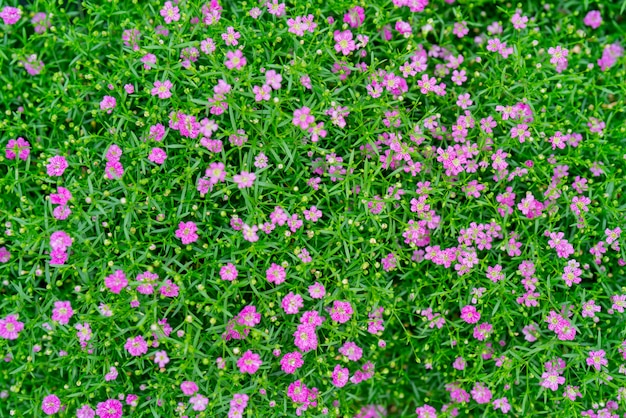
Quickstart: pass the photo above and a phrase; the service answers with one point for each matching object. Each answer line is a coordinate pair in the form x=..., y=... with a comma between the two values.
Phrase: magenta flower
x=19, y=148
x=469, y=314
x=114, y=170
x=60, y=240
x=275, y=274
x=292, y=303
x=341, y=311
x=354, y=17
x=51, y=405
x=189, y=388
x=161, y=358
x=187, y=232
x=157, y=156
x=340, y=376
x=352, y=351
x=344, y=42
x=305, y=337
x=249, y=362
x=162, y=89
x=5, y=255
x=136, y=346
x=62, y=312
x=108, y=103
x=116, y=282
x=317, y=290
x=56, y=166
x=170, y=12
x=244, y=179
x=228, y=272
x=291, y=362
x=111, y=408
x=235, y=60
x=10, y=327
x=10, y=15
x=302, y=117
x=593, y=19
x=597, y=359
x=199, y=402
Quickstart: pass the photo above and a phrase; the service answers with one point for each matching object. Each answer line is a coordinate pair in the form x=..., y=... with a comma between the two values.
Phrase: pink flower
x=61, y=197
x=305, y=337
x=187, y=232
x=344, y=42
x=340, y=376
x=170, y=12
x=354, y=17
x=5, y=255
x=169, y=289
x=17, y=148
x=275, y=274
x=111, y=375
x=249, y=362
x=162, y=89
x=341, y=311
x=552, y=380
x=302, y=117
x=85, y=412
x=261, y=92
x=114, y=170
x=228, y=272
x=157, y=156
x=481, y=393
x=62, y=312
x=189, y=388
x=10, y=327
x=235, y=60
x=597, y=359
x=116, y=282
x=56, y=166
x=469, y=314
x=51, y=404
x=108, y=103
x=273, y=79
x=136, y=346
x=244, y=179
x=60, y=240
x=161, y=358
x=291, y=362
x=317, y=290
x=199, y=402
x=292, y=303
x=593, y=19
x=352, y=351
x=111, y=408
x=10, y=15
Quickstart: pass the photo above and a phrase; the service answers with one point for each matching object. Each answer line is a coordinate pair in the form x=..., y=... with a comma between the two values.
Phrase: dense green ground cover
x=325, y=208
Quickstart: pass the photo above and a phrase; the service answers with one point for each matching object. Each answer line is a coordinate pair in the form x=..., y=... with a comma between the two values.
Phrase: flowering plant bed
x=332, y=208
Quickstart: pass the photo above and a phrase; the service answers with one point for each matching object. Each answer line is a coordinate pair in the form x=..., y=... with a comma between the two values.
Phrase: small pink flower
x=291, y=362
x=136, y=346
x=19, y=148
x=317, y=290
x=10, y=327
x=10, y=15
x=469, y=314
x=235, y=60
x=189, y=388
x=51, y=404
x=170, y=12
x=292, y=303
x=157, y=156
x=187, y=232
x=249, y=362
x=129, y=88
x=108, y=103
x=244, y=179
x=275, y=274
x=162, y=89
x=111, y=408
x=341, y=311
x=228, y=272
x=302, y=117
x=340, y=376
x=161, y=358
x=56, y=166
x=62, y=312
x=116, y=282
x=593, y=19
